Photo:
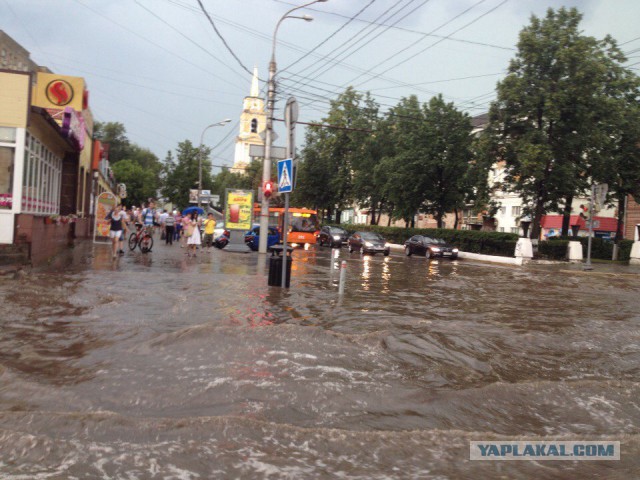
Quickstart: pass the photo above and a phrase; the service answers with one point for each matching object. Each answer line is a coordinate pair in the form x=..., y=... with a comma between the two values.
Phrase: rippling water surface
x=159, y=366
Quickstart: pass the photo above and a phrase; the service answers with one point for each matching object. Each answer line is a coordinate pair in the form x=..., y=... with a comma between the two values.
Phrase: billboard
x=238, y=210
x=105, y=202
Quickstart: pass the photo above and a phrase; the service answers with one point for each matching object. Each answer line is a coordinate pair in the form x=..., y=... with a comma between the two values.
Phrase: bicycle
x=141, y=238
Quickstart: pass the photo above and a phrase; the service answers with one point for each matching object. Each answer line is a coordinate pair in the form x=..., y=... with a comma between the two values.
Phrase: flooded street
x=159, y=366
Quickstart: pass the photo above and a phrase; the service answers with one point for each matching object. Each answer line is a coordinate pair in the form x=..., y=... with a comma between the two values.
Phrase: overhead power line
x=179, y=32
x=345, y=52
x=222, y=38
x=351, y=19
x=409, y=30
x=439, y=41
x=423, y=37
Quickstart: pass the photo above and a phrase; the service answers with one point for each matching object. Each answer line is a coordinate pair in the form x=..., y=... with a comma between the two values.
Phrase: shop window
x=42, y=179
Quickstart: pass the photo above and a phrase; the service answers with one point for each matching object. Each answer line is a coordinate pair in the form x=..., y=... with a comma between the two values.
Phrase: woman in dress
x=193, y=240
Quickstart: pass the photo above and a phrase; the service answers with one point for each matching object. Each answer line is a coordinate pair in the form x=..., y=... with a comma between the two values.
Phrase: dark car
x=332, y=236
x=368, y=242
x=252, y=237
x=429, y=247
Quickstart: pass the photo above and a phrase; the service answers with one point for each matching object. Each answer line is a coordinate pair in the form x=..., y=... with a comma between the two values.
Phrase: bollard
x=343, y=276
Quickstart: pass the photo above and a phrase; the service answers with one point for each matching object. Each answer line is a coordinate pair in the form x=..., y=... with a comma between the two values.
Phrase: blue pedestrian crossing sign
x=285, y=175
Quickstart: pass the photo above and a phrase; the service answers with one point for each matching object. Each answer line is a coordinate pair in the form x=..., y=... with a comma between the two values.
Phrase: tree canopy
x=549, y=120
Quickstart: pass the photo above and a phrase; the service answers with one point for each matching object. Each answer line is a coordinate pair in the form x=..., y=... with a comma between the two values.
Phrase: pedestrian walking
x=116, y=216
x=186, y=220
x=125, y=230
x=178, y=231
x=209, y=228
x=169, y=227
x=193, y=235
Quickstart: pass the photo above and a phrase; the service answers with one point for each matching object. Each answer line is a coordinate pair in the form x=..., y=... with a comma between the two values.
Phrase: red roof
x=602, y=224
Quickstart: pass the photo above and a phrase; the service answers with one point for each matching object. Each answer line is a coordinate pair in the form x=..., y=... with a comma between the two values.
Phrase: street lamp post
x=201, y=154
x=271, y=95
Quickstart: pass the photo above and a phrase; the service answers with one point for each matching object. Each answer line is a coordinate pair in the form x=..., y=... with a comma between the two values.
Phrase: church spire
x=255, y=86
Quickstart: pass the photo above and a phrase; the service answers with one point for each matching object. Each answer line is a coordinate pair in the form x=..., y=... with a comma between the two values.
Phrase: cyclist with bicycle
x=148, y=216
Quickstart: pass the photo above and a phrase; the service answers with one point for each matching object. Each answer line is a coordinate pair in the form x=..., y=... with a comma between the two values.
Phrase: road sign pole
x=285, y=232
x=587, y=265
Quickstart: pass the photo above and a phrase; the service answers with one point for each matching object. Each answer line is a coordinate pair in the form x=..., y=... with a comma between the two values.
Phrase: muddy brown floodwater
x=158, y=366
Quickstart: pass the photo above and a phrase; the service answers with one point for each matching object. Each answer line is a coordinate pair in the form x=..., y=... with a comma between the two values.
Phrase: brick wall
x=632, y=219
x=46, y=240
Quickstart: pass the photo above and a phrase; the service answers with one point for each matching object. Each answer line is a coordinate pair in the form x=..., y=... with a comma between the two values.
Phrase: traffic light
x=584, y=209
x=267, y=189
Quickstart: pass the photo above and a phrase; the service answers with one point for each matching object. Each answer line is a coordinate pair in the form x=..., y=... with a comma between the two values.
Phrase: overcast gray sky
x=158, y=67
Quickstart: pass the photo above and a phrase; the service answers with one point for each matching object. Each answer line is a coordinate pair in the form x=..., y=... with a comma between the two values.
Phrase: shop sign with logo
x=56, y=92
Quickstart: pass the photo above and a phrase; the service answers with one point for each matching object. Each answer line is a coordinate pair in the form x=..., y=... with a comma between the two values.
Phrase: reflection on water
x=366, y=272
x=159, y=366
x=434, y=268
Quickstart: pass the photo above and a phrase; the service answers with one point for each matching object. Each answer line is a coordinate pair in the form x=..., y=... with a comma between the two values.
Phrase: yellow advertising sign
x=238, y=210
x=104, y=204
x=59, y=91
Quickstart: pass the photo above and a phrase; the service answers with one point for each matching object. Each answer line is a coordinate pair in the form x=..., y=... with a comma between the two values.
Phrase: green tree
x=181, y=175
x=337, y=162
x=141, y=184
x=115, y=135
x=447, y=158
x=402, y=167
x=545, y=123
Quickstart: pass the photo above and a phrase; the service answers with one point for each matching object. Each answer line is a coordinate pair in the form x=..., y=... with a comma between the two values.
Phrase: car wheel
x=386, y=253
x=454, y=257
x=407, y=251
x=428, y=253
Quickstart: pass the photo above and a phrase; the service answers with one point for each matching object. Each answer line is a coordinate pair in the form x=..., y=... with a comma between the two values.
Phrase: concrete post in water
x=343, y=277
x=634, y=258
x=524, y=249
x=574, y=251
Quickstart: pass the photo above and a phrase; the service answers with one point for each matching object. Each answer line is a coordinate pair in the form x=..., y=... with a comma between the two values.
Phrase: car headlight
x=368, y=244
x=336, y=237
x=455, y=250
x=435, y=249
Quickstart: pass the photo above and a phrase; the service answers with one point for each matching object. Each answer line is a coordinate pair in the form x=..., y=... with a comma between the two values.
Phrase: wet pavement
x=163, y=366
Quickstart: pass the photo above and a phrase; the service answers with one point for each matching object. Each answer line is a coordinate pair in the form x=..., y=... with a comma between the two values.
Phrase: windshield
x=304, y=222
x=337, y=231
x=372, y=236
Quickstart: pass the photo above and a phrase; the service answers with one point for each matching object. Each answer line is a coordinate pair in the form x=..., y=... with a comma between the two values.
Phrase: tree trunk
x=413, y=222
x=622, y=208
x=439, y=216
x=537, y=217
x=566, y=215
x=373, y=214
x=455, y=222
x=338, y=216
